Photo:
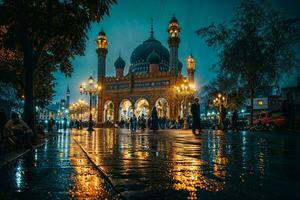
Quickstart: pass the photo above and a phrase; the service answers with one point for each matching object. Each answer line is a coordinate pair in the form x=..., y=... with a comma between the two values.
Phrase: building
x=153, y=72
x=270, y=103
x=294, y=92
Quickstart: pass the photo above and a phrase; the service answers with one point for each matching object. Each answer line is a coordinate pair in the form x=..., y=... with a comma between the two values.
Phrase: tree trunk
x=29, y=114
x=29, y=63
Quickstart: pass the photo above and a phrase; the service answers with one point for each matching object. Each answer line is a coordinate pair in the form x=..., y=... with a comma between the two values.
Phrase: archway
x=162, y=107
x=125, y=110
x=185, y=107
x=142, y=107
x=108, y=114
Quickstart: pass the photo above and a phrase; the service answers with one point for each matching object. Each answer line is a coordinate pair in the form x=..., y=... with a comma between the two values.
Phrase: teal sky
x=129, y=25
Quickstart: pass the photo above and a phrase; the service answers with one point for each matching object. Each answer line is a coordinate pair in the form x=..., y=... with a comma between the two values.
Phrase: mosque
x=154, y=71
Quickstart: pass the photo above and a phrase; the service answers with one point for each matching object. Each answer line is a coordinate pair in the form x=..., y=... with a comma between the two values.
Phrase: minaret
x=174, y=41
x=191, y=68
x=68, y=97
x=101, y=51
x=119, y=65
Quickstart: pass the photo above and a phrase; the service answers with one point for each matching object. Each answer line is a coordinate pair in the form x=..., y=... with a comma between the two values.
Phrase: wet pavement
x=57, y=170
x=157, y=165
x=180, y=165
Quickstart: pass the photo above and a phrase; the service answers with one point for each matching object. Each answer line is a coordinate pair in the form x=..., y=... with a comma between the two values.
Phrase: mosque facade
x=153, y=73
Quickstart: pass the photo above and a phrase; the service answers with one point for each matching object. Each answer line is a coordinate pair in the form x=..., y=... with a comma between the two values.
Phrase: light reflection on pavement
x=56, y=170
x=180, y=165
x=157, y=165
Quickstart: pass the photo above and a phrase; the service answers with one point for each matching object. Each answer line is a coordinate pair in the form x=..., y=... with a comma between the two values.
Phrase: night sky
x=129, y=25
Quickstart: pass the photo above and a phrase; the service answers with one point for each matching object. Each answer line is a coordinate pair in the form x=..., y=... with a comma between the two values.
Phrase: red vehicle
x=269, y=120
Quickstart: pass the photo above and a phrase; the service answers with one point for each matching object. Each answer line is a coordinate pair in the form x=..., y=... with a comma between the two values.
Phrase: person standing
x=133, y=123
x=223, y=123
x=288, y=111
x=50, y=125
x=154, y=119
x=195, y=110
x=142, y=122
x=65, y=123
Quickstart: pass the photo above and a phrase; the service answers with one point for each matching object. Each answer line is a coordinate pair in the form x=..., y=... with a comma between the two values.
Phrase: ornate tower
x=173, y=42
x=101, y=51
x=68, y=97
x=190, y=68
x=119, y=65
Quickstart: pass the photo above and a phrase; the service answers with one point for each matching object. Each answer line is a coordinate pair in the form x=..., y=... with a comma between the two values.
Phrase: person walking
x=195, y=110
x=154, y=119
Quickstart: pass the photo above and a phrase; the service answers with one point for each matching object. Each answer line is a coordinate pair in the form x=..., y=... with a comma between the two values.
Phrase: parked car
x=268, y=120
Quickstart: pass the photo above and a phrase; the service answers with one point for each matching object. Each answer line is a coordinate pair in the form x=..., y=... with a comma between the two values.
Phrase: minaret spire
x=151, y=31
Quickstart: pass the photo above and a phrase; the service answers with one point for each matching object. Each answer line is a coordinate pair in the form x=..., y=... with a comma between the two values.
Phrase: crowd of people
x=17, y=133
x=155, y=122
x=141, y=123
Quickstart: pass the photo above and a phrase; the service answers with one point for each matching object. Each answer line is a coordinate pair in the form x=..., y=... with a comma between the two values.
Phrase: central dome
x=140, y=54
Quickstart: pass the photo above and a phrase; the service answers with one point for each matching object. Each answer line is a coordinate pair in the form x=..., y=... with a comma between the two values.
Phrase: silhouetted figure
x=133, y=123
x=223, y=123
x=288, y=111
x=195, y=110
x=65, y=123
x=154, y=119
x=51, y=123
x=234, y=119
x=142, y=122
x=19, y=132
x=57, y=125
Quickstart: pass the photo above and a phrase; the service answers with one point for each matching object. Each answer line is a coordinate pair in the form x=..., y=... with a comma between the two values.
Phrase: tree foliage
x=225, y=84
x=258, y=45
x=42, y=37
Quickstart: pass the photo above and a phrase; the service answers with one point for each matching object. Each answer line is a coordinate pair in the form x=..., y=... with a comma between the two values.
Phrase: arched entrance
x=142, y=107
x=125, y=110
x=185, y=108
x=108, y=114
x=162, y=107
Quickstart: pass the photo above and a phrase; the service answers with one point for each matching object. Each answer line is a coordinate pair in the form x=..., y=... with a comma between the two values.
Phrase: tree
x=257, y=45
x=9, y=97
x=227, y=85
x=46, y=35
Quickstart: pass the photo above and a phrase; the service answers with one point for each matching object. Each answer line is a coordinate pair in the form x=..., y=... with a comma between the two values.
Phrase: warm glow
x=191, y=63
x=260, y=102
x=102, y=42
x=91, y=80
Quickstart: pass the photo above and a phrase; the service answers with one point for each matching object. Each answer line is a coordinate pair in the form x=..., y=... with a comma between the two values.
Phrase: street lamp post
x=219, y=102
x=90, y=89
x=185, y=90
x=81, y=104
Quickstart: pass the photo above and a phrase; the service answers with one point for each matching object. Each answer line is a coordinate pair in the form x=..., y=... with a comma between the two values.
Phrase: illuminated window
x=260, y=102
